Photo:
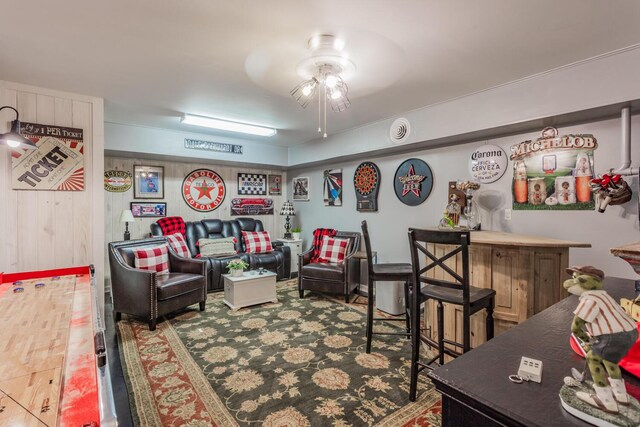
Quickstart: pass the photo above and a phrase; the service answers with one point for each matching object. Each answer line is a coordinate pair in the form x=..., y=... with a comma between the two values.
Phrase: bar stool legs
x=369, y=315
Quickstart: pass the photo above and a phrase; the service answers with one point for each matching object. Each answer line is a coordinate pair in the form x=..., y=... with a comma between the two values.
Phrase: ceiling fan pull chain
x=325, y=111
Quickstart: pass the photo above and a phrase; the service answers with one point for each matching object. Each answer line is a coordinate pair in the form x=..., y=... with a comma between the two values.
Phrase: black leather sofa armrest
x=276, y=244
x=186, y=265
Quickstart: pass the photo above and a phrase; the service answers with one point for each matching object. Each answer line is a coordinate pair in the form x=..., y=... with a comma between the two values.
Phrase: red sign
x=203, y=190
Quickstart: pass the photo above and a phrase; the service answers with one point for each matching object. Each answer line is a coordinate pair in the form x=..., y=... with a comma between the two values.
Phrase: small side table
x=249, y=289
x=296, y=249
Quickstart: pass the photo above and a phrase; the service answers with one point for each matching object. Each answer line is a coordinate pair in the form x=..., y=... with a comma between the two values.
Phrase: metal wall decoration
x=117, y=181
x=148, y=210
x=148, y=182
x=57, y=164
x=413, y=182
x=332, y=187
x=252, y=184
x=275, y=185
x=488, y=163
x=247, y=206
x=366, y=180
x=203, y=190
x=301, y=188
x=197, y=144
x=553, y=172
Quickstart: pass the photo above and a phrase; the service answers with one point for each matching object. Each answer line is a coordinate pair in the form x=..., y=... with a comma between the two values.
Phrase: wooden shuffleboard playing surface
x=43, y=330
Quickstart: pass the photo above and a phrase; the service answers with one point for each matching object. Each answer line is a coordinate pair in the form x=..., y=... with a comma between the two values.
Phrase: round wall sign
x=203, y=190
x=117, y=181
x=488, y=163
x=413, y=182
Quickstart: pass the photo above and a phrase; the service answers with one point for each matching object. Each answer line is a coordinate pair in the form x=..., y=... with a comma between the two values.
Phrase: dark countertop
x=481, y=376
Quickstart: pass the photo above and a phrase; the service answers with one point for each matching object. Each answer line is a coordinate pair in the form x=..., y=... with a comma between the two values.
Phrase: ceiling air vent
x=400, y=130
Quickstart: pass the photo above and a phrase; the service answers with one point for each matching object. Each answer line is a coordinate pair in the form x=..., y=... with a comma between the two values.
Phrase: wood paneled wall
x=53, y=229
x=174, y=174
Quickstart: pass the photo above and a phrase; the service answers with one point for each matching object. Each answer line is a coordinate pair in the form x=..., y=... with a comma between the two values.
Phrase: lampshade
x=13, y=139
x=126, y=216
x=287, y=209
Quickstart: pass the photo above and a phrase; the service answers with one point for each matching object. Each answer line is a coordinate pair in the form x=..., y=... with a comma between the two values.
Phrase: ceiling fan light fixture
x=226, y=125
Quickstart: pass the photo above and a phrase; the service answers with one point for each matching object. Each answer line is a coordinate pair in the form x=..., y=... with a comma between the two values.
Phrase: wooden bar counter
x=526, y=272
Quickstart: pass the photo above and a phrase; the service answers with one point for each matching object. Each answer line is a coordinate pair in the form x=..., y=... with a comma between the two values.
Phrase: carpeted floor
x=298, y=362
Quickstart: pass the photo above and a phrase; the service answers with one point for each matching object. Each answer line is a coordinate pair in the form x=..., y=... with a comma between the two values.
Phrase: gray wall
x=388, y=227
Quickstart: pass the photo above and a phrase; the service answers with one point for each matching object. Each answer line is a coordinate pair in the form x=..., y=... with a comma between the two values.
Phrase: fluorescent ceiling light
x=210, y=122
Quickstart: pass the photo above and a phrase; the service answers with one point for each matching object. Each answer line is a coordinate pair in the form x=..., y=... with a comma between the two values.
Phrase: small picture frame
x=148, y=182
x=301, y=188
x=149, y=210
x=275, y=185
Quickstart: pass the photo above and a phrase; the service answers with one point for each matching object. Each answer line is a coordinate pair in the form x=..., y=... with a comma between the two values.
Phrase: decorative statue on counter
x=606, y=334
x=610, y=189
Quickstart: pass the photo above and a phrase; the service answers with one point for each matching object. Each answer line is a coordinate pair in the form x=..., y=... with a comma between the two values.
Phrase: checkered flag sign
x=254, y=184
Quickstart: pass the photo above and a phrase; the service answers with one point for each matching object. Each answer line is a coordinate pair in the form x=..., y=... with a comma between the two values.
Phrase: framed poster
x=148, y=182
x=332, y=188
x=275, y=185
x=301, y=188
x=56, y=164
x=247, y=206
x=252, y=184
x=148, y=210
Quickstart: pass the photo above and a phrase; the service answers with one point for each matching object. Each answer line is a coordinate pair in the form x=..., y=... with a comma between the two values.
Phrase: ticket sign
x=488, y=163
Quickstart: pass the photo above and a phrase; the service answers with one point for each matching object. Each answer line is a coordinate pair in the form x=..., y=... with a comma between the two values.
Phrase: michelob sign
x=553, y=172
x=57, y=164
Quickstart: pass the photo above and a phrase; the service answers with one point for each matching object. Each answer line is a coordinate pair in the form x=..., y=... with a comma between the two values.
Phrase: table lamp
x=126, y=217
x=287, y=209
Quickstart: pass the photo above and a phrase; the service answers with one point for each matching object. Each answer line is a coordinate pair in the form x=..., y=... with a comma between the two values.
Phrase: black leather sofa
x=278, y=261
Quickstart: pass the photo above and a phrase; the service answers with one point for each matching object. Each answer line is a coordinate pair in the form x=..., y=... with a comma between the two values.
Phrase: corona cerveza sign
x=203, y=190
x=488, y=163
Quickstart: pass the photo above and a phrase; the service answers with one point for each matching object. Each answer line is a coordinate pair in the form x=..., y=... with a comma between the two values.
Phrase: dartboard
x=366, y=177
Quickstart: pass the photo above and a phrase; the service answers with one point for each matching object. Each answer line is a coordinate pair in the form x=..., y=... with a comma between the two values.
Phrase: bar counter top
x=510, y=239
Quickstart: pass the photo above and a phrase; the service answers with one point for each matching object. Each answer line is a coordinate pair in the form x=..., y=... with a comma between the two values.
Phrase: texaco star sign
x=203, y=190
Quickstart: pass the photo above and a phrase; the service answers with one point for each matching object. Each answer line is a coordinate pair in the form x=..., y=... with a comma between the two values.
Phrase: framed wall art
x=252, y=184
x=148, y=182
x=246, y=206
x=275, y=185
x=332, y=188
x=149, y=210
x=301, y=188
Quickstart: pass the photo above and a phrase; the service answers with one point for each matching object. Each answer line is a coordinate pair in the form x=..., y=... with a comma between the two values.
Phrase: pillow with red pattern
x=179, y=245
x=152, y=258
x=257, y=242
x=333, y=250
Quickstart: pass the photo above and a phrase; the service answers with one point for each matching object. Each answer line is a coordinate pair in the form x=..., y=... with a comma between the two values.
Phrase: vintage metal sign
x=488, y=163
x=57, y=163
x=247, y=206
x=413, y=182
x=117, y=181
x=197, y=144
x=553, y=172
x=203, y=190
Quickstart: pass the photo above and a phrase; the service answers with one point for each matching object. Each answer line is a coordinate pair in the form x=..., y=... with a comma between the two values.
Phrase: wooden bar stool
x=458, y=292
x=380, y=273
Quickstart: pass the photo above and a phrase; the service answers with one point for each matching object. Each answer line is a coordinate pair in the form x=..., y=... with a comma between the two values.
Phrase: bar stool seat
x=388, y=272
x=454, y=296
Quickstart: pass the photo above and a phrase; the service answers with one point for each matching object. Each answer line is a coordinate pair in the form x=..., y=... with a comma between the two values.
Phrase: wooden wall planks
x=53, y=229
x=174, y=174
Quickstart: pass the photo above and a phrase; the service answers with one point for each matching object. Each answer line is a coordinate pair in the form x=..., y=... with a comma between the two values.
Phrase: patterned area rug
x=298, y=362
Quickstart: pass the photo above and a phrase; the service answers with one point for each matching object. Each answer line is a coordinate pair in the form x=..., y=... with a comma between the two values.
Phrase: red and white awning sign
x=57, y=163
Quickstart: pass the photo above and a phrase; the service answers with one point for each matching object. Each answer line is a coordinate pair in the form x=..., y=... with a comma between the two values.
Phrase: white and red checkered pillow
x=179, y=245
x=257, y=242
x=152, y=259
x=333, y=250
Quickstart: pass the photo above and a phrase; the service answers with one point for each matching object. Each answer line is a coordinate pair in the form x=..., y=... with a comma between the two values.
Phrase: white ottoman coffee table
x=249, y=289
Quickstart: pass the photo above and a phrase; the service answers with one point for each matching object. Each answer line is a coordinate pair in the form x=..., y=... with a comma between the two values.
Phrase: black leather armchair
x=332, y=278
x=149, y=295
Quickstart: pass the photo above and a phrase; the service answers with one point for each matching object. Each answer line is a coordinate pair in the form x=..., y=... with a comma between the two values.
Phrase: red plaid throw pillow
x=152, y=259
x=333, y=250
x=179, y=245
x=172, y=225
x=257, y=242
x=318, y=235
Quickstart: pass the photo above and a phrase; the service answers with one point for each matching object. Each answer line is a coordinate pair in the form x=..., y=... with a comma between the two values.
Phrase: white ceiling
x=153, y=60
